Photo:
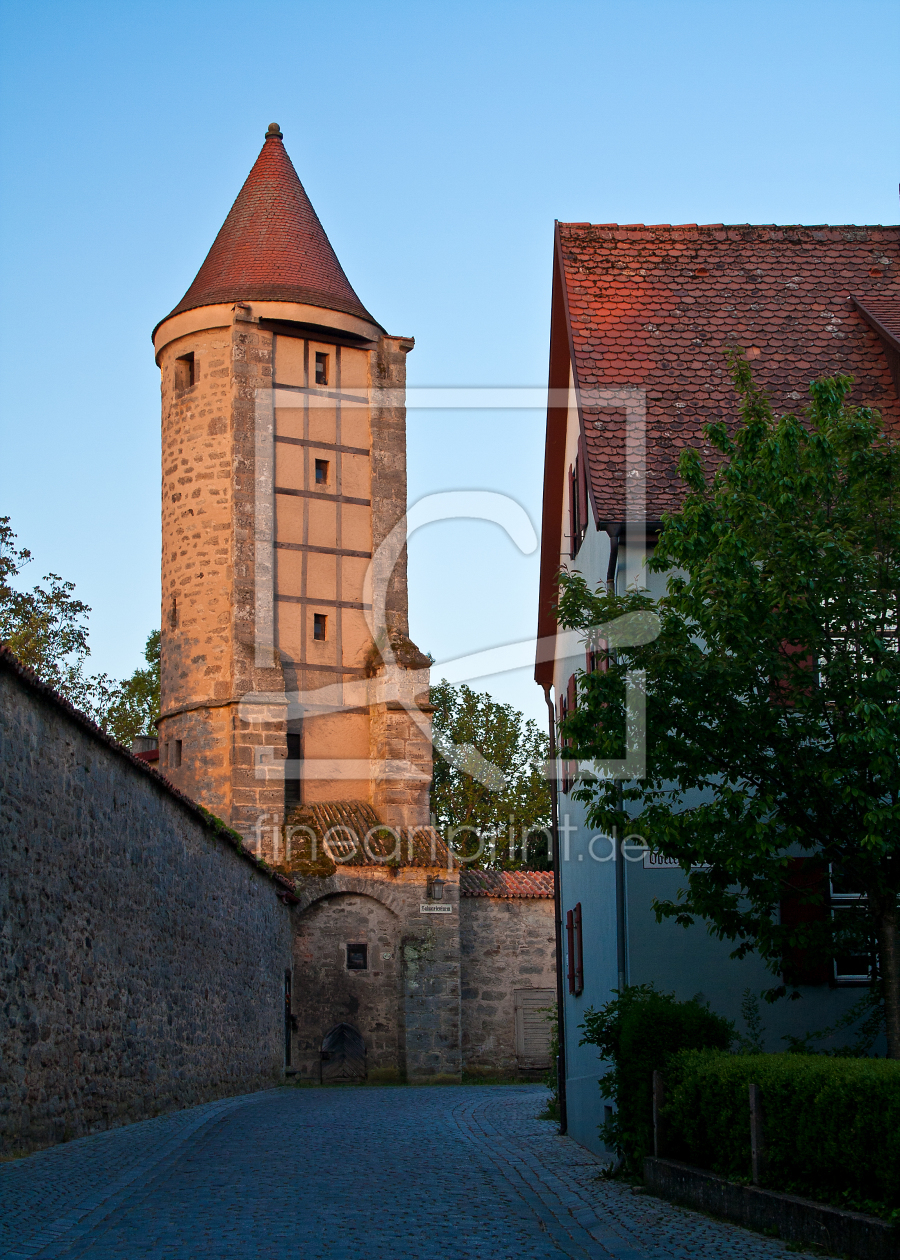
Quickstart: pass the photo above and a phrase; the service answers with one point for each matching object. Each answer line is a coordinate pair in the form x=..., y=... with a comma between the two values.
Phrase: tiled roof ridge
x=506, y=884
x=11, y=662
x=272, y=246
x=837, y=229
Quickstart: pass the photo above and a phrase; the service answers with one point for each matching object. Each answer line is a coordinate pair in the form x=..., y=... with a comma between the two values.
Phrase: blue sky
x=438, y=144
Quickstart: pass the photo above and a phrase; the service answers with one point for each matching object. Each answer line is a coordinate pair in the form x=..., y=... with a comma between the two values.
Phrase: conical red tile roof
x=272, y=247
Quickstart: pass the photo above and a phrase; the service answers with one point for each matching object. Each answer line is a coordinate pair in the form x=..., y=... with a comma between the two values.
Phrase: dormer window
x=321, y=368
x=321, y=472
x=185, y=372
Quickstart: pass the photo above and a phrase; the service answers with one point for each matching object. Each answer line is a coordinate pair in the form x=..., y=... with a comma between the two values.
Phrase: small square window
x=185, y=372
x=320, y=622
x=357, y=958
x=321, y=368
x=321, y=472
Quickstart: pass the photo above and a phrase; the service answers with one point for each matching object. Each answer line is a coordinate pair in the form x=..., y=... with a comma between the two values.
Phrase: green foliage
x=773, y=688
x=865, y=1019
x=46, y=627
x=491, y=781
x=132, y=706
x=551, y=1080
x=754, y=1041
x=832, y=1126
x=638, y=1032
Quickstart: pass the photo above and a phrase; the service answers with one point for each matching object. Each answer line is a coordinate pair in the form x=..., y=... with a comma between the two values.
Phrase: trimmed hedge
x=638, y=1032
x=832, y=1126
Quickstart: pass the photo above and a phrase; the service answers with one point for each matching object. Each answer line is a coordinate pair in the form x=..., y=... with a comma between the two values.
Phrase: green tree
x=131, y=707
x=773, y=689
x=46, y=627
x=489, y=778
x=47, y=630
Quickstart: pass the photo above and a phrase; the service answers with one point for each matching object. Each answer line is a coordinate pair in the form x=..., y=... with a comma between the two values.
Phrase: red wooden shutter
x=579, y=951
x=787, y=686
x=581, y=477
x=805, y=875
x=570, y=949
x=573, y=508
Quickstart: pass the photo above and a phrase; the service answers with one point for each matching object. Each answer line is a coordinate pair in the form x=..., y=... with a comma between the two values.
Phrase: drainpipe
x=557, y=914
x=615, y=532
x=621, y=939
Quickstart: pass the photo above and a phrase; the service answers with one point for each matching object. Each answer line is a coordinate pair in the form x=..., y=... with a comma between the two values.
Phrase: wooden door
x=533, y=1027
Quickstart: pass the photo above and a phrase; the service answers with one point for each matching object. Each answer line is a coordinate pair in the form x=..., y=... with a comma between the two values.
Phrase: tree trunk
x=889, y=961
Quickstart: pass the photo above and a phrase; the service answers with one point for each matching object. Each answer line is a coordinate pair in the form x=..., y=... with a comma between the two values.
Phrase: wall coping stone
x=790, y=1217
x=12, y=665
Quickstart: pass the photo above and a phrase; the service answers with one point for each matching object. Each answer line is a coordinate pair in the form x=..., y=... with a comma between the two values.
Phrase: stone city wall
x=507, y=945
x=143, y=955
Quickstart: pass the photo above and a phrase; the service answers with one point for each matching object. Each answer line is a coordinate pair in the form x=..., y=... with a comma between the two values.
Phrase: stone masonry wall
x=394, y=737
x=143, y=955
x=409, y=1012
x=209, y=445
x=387, y=372
x=505, y=944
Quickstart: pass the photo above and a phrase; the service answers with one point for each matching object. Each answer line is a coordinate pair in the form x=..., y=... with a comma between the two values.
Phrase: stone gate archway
x=348, y=971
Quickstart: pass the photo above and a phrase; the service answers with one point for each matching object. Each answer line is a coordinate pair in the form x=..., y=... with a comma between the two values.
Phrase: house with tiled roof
x=640, y=319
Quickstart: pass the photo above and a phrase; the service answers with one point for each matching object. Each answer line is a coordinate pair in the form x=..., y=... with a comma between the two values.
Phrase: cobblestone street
x=354, y=1174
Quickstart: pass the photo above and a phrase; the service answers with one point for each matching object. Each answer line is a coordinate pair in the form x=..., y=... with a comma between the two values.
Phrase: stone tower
x=287, y=673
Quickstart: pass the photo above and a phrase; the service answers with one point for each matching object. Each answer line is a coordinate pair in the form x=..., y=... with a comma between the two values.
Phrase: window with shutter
x=579, y=951
x=804, y=901
x=855, y=963
x=573, y=514
x=570, y=768
x=581, y=478
x=570, y=949
x=533, y=1009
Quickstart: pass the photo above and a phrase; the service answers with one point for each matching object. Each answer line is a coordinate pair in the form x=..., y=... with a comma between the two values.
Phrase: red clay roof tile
x=505, y=883
x=272, y=247
x=655, y=306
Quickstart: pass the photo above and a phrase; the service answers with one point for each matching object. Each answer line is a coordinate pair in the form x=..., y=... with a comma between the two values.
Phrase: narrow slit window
x=175, y=753
x=357, y=958
x=321, y=368
x=185, y=372
x=320, y=626
x=321, y=472
x=292, y=771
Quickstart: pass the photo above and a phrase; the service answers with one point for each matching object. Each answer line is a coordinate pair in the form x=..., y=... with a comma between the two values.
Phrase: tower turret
x=284, y=472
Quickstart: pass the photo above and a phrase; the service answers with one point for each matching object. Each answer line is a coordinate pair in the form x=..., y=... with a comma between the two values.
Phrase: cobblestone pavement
x=346, y=1174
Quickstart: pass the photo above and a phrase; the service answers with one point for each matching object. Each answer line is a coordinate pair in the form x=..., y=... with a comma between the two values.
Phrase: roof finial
x=274, y=132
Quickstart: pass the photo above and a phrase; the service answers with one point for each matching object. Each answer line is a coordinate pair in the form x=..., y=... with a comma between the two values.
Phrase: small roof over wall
x=505, y=883
x=327, y=835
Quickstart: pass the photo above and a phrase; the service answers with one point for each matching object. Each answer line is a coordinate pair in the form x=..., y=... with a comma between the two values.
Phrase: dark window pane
x=357, y=957
x=292, y=772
